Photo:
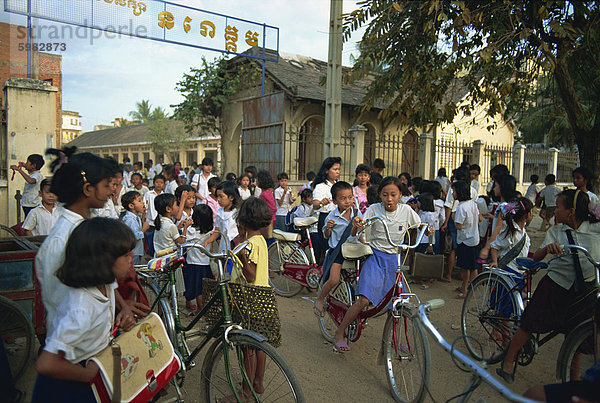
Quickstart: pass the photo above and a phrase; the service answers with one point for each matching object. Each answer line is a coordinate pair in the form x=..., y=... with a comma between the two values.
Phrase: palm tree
x=158, y=114
x=143, y=112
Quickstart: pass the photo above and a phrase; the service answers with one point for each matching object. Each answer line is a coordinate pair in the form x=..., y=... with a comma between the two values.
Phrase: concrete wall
x=30, y=129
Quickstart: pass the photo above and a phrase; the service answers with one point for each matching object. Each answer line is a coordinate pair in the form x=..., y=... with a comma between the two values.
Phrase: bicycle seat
x=353, y=250
x=305, y=221
x=159, y=263
x=530, y=263
x=286, y=236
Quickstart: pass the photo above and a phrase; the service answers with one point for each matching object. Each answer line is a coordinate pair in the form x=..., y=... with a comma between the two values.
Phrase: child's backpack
x=289, y=218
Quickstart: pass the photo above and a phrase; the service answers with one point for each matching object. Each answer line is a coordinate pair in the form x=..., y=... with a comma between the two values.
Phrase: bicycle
x=290, y=268
x=223, y=368
x=17, y=334
x=492, y=310
x=478, y=370
x=404, y=345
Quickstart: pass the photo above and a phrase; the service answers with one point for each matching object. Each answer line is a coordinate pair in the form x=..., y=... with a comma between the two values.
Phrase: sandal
x=508, y=378
x=317, y=311
x=341, y=347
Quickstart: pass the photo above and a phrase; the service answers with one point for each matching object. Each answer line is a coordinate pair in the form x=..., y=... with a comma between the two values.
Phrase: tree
x=166, y=136
x=497, y=50
x=143, y=112
x=208, y=92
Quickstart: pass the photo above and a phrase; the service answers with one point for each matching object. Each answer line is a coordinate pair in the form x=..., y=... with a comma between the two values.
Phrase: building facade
x=71, y=126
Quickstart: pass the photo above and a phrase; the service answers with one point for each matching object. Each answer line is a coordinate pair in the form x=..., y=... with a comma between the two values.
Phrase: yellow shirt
x=260, y=257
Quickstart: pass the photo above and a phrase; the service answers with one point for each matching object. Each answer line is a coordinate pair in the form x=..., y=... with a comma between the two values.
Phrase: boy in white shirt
x=159, y=186
x=533, y=189
x=41, y=219
x=284, y=200
x=137, y=184
x=33, y=179
x=548, y=195
x=200, y=181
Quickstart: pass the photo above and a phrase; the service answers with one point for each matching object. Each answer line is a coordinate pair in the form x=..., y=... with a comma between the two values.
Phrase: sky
x=104, y=76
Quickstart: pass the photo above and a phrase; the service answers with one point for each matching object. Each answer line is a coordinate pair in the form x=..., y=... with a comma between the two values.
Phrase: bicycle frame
x=299, y=273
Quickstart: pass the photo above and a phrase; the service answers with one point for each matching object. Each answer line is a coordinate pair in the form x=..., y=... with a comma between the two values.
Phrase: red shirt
x=267, y=196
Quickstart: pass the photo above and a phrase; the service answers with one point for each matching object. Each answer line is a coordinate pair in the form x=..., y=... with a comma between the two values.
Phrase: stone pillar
x=478, y=153
x=357, y=153
x=426, y=163
x=333, y=101
x=553, y=160
x=519, y=162
x=30, y=129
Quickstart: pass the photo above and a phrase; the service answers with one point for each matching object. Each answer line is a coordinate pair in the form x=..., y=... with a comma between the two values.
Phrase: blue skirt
x=377, y=276
x=192, y=277
x=49, y=389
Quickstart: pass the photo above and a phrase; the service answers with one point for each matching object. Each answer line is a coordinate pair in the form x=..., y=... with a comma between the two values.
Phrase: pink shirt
x=361, y=199
x=267, y=196
x=213, y=204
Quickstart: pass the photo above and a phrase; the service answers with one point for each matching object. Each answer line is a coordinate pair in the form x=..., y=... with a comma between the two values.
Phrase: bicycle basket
x=254, y=307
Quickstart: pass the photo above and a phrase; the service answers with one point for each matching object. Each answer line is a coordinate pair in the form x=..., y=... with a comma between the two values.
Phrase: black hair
x=161, y=202
x=137, y=174
x=91, y=252
x=389, y=180
x=373, y=195
x=465, y=164
x=508, y=186
x=404, y=189
x=417, y=183
x=37, y=160
x=230, y=190
x=254, y=213
x=207, y=161
x=587, y=175
x=230, y=177
x=159, y=176
x=433, y=187
x=264, y=180
x=180, y=189
x=213, y=182
x=550, y=179
x=426, y=200
x=310, y=176
x=252, y=170
x=362, y=168
x=461, y=174
x=407, y=176
x=441, y=172
x=282, y=175
x=325, y=166
x=129, y=198
x=138, y=163
x=339, y=186
x=499, y=169
x=475, y=167
x=202, y=215
x=306, y=192
x=582, y=205
x=378, y=163
x=242, y=176
x=463, y=191
x=71, y=176
x=169, y=170
x=514, y=212
x=45, y=182
x=534, y=178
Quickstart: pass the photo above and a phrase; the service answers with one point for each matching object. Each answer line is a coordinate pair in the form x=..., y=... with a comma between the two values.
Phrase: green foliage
x=145, y=114
x=166, y=136
x=496, y=51
x=208, y=90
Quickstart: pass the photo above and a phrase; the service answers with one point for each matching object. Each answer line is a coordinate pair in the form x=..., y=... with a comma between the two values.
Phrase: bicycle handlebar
x=473, y=367
x=370, y=221
x=221, y=256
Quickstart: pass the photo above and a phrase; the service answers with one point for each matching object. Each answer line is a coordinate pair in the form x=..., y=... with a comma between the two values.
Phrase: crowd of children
x=160, y=206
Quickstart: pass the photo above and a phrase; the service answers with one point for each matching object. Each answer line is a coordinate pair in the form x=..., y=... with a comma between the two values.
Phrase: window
x=146, y=157
x=134, y=157
x=191, y=158
x=115, y=157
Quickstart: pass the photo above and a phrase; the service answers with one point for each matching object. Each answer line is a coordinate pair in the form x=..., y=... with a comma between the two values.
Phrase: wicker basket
x=254, y=307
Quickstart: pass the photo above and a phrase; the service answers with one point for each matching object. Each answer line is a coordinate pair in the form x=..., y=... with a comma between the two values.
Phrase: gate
x=263, y=129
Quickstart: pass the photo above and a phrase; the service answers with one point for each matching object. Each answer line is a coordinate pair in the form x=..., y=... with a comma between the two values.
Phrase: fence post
x=357, y=152
x=519, y=162
x=425, y=155
x=554, y=160
x=478, y=153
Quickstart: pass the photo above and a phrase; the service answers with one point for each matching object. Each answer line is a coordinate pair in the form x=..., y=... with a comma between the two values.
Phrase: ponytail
x=161, y=202
x=514, y=212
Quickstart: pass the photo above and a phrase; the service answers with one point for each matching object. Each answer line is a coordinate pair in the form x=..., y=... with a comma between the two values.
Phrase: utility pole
x=333, y=103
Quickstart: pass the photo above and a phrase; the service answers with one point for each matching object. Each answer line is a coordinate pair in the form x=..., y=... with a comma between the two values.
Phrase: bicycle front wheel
x=328, y=323
x=278, y=255
x=272, y=378
x=16, y=332
x=577, y=353
x=490, y=316
x=407, y=357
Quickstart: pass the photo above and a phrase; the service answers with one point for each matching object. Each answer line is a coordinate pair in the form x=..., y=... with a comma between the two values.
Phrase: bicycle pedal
x=190, y=365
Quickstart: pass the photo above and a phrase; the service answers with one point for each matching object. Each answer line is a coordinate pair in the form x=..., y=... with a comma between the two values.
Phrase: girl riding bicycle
x=97, y=253
x=557, y=297
x=378, y=273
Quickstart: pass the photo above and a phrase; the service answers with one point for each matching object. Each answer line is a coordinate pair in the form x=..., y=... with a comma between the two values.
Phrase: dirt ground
x=356, y=376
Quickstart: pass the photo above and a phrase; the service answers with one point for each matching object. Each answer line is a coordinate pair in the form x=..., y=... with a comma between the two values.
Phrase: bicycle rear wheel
x=489, y=317
x=279, y=383
x=577, y=353
x=17, y=334
x=345, y=294
x=283, y=254
x=407, y=357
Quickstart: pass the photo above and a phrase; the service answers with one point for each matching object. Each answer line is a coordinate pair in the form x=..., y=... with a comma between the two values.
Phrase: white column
x=554, y=160
x=333, y=103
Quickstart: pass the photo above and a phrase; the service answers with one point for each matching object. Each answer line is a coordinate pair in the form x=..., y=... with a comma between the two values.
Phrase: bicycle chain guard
x=312, y=278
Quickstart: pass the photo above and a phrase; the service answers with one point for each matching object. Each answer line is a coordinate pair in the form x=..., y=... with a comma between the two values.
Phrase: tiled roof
x=113, y=136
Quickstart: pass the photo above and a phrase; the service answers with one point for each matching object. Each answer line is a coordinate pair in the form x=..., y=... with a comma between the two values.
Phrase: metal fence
x=567, y=162
x=494, y=154
x=537, y=161
x=450, y=154
x=399, y=151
